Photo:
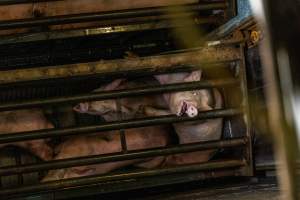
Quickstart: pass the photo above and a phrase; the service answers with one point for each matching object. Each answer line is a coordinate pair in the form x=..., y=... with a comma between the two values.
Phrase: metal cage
x=225, y=55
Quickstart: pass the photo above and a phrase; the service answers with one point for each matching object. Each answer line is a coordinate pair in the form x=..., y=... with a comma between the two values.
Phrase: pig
x=136, y=139
x=192, y=132
x=27, y=120
x=187, y=102
x=129, y=107
x=179, y=103
x=190, y=103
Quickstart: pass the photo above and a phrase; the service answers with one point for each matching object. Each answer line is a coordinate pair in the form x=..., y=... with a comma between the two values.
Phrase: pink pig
x=136, y=139
x=187, y=102
x=190, y=102
x=130, y=107
x=27, y=120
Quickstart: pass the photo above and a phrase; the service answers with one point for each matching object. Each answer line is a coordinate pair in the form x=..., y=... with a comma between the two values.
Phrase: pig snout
x=187, y=108
x=192, y=111
x=82, y=107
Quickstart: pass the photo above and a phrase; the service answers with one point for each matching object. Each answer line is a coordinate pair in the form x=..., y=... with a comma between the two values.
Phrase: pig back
x=23, y=121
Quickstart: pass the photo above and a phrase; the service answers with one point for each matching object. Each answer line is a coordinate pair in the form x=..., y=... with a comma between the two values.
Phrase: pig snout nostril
x=192, y=111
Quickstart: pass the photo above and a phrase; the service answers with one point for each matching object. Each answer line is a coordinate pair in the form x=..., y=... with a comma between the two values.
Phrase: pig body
x=129, y=107
x=192, y=132
x=190, y=102
x=179, y=103
x=136, y=139
x=27, y=120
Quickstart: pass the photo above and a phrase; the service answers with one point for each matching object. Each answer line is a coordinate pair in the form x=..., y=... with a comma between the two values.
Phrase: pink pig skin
x=27, y=120
x=130, y=107
x=187, y=102
x=137, y=139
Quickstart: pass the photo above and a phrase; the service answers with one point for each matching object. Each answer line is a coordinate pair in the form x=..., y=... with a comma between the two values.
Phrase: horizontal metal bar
x=107, y=29
x=130, y=155
x=126, y=124
x=141, y=183
x=103, y=95
x=268, y=166
x=203, y=56
x=13, y=2
x=54, y=185
x=86, y=17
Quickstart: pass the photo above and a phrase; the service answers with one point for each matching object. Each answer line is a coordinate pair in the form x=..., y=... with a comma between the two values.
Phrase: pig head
x=186, y=102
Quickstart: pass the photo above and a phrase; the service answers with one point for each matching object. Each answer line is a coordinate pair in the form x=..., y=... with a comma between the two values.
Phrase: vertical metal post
x=122, y=131
x=248, y=171
x=231, y=10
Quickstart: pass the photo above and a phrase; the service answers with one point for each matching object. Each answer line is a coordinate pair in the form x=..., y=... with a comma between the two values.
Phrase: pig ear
x=113, y=85
x=194, y=76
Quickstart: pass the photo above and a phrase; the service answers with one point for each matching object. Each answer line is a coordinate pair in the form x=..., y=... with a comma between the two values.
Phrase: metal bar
x=131, y=175
x=142, y=183
x=249, y=171
x=130, y=155
x=162, y=24
x=29, y=37
x=244, y=13
x=86, y=17
x=122, y=131
x=120, y=93
x=126, y=124
x=13, y=2
x=203, y=56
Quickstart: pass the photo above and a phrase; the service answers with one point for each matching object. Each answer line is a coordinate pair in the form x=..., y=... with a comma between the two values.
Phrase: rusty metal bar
x=121, y=131
x=125, y=185
x=126, y=124
x=54, y=185
x=248, y=171
x=113, y=27
x=87, y=17
x=130, y=155
x=13, y=2
x=120, y=93
x=205, y=55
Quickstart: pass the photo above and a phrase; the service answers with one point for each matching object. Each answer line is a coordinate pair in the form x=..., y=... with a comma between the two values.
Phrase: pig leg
x=86, y=107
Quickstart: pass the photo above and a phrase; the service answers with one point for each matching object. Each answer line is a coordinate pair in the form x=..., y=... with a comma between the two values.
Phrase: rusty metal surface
x=155, y=63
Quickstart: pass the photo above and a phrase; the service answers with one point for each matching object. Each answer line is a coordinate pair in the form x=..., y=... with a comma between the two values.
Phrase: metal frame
x=111, y=22
x=88, y=17
x=14, y=2
x=238, y=167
